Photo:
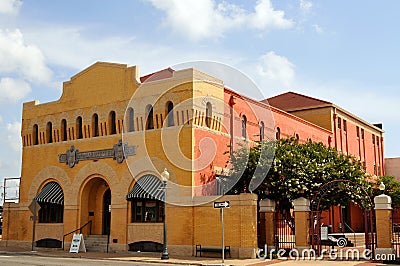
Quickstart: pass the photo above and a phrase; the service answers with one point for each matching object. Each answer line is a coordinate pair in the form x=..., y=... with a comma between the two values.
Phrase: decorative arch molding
x=149, y=165
x=103, y=115
x=81, y=113
x=93, y=170
x=49, y=118
x=52, y=173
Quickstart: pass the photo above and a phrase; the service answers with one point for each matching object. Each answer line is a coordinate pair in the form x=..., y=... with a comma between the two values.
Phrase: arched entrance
x=95, y=202
x=318, y=237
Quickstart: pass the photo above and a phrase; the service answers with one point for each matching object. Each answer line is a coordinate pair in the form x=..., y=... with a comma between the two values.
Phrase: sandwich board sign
x=77, y=244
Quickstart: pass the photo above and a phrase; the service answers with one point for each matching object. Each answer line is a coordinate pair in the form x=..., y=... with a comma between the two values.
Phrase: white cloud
x=21, y=58
x=14, y=136
x=305, y=6
x=13, y=90
x=318, y=29
x=208, y=19
x=277, y=68
x=10, y=7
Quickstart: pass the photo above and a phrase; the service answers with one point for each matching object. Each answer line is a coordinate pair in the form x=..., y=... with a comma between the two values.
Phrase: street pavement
x=23, y=256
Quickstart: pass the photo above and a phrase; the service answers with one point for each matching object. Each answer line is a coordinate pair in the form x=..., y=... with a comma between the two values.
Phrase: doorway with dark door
x=106, y=212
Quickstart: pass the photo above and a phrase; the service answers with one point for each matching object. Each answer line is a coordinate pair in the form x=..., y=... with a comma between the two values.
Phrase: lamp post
x=165, y=177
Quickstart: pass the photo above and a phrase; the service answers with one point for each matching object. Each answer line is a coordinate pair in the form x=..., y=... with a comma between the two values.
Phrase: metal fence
x=396, y=231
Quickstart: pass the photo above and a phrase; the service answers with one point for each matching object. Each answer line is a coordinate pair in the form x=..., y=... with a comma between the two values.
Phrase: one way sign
x=222, y=204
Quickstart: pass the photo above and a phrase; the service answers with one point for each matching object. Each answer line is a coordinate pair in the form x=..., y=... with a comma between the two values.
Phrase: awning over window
x=51, y=193
x=147, y=187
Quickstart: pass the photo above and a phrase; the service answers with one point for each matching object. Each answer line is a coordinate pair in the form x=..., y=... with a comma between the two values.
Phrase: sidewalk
x=155, y=258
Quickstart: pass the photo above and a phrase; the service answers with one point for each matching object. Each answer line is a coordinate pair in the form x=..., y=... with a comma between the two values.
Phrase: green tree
x=392, y=189
x=297, y=170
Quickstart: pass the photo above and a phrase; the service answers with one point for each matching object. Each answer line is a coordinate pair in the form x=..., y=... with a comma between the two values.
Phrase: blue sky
x=346, y=52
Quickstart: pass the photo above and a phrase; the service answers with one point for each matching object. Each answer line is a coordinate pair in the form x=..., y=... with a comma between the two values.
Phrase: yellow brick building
x=85, y=154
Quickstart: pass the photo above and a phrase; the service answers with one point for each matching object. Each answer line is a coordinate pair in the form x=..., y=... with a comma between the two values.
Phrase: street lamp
x=165, y=177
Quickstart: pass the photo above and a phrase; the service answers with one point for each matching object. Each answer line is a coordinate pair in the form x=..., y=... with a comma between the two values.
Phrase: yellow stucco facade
x=91, y=115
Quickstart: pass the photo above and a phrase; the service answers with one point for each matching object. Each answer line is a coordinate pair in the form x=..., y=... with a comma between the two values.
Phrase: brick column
x=267, y=209
x=383, y=219
x=301, y=222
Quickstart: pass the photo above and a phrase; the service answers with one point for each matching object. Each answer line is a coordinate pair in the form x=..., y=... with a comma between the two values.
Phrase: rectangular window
x=358, y=131
x=147, y=211
x=344, y=125
x=339, y=123
x=377, y=140
x=50, y=213
x=362, y=133
x=373, y=139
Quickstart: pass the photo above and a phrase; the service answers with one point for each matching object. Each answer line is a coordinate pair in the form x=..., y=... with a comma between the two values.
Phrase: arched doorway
x=106, y=212
x=364, y=201
x=94, y=203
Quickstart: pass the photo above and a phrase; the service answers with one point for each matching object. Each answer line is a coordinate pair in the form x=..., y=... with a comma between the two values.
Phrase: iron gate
x=315, y=216
x=284, y=231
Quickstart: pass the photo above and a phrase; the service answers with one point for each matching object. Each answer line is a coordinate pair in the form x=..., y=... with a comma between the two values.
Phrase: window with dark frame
x=49, y=132
x=95, y=125
x=79, y=129
x=208, y=114
x=278, y=133
x=147, y=211
x=63, y=130
x=149, y=117
x=262, y=131
x=339, y=123
x=244, y=126
x=35, y=137
x=131, y=120
x=113, y=123
x=170, y=114
x=345, y=125
x=50, y=213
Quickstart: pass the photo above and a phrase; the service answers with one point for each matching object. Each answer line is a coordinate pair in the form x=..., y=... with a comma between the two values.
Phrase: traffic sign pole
x=223, y=240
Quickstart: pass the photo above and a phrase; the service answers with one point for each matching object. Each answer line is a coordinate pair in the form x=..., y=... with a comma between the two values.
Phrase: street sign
x=34, y=207
x=222, y=204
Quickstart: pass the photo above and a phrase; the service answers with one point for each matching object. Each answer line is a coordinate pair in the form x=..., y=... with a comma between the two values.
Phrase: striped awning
x=147, y=187
x=51, y=193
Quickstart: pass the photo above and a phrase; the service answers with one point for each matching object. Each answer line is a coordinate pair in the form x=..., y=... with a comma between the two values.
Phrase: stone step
x=96, y=243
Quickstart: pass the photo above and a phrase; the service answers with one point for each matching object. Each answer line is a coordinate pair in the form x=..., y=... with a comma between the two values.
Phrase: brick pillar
x=301, y=222
x=267, y=208
x=383, y=219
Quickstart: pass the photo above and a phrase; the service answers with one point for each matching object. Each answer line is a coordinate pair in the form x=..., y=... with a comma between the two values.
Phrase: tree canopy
x=285, y=170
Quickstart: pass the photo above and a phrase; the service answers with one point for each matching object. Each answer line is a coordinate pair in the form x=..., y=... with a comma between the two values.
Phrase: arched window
x=112, y=123
x=262, y=131
x=95, y=125
x=131, y=120
x=63, y=130
x=49, y=132
x=170, y=114
x=278, y=133
x=208, y=114
x=35, y=134
x=51, y=201
x=149, y=117
x=244, y=126
x=79, y=129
